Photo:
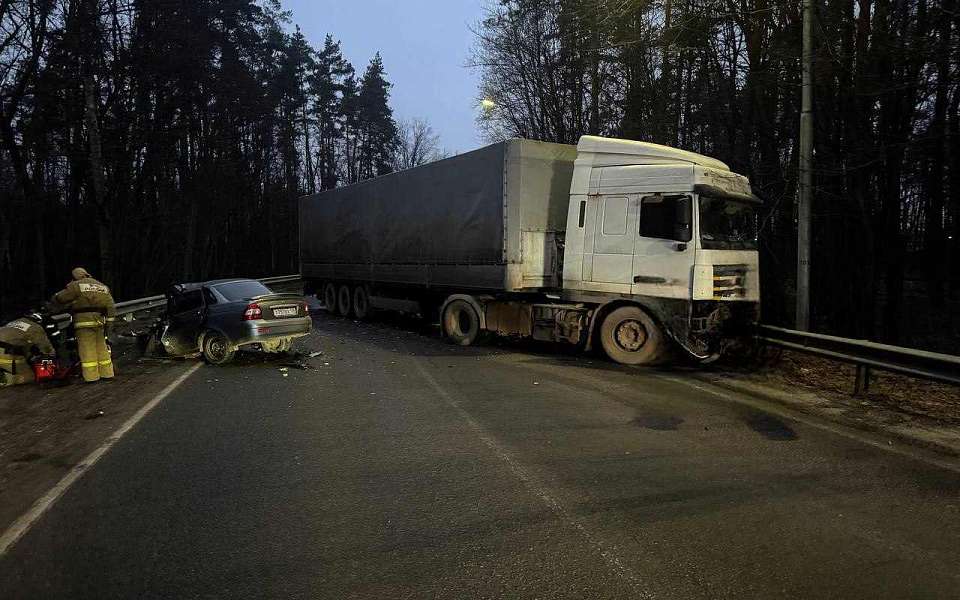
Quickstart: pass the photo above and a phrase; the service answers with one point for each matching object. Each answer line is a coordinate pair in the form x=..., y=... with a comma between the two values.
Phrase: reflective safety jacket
x=86, y=295
x=24, y=335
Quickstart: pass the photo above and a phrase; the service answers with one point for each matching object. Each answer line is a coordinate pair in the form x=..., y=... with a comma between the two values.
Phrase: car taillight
x=252, y=313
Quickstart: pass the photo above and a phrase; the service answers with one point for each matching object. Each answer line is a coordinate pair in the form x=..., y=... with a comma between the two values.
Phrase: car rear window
x=242, y=290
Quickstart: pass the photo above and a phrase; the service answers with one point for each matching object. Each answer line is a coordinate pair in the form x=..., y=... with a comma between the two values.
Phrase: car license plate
x=284, y=312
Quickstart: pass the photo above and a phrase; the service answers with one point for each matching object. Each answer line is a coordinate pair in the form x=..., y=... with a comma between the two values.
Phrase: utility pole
x=806, y=173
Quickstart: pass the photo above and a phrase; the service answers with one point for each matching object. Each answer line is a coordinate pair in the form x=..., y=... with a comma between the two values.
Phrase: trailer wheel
x=461, y=323
x=330, y=297
x=630, y=337
x=361, y=302
x=344, y=301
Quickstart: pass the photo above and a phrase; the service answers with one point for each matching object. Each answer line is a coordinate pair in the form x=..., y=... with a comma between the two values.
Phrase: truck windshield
x=727, y=224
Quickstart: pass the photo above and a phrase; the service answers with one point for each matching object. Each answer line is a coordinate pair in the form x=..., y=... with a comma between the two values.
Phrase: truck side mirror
x=684, y=220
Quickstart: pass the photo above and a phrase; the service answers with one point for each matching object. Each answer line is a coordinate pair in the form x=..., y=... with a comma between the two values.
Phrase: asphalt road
x=407, y=468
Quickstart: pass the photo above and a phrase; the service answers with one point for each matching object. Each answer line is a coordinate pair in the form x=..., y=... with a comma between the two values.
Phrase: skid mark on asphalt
x=840, y=430
x=530, y=482
x=878, y=441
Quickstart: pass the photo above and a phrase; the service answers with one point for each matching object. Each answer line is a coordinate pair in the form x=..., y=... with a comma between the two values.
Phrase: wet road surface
x=403, y=467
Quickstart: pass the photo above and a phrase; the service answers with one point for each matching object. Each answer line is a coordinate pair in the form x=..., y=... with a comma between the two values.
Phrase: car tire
x=330, y=297
x=344, y=301
x=361, y=302
x=461, y=323
x=217, y=348
x=630, y=336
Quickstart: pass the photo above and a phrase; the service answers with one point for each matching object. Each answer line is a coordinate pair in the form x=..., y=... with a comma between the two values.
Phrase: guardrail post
x=862, y=385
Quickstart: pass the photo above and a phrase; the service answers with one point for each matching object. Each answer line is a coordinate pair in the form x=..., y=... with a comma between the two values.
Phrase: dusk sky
x=425, y=46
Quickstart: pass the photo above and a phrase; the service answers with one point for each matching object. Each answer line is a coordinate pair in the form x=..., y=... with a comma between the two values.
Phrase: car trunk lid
x=281, y=306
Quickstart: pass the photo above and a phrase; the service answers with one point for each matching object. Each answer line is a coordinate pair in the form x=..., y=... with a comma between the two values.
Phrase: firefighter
x=20, y=342
x=93, y=310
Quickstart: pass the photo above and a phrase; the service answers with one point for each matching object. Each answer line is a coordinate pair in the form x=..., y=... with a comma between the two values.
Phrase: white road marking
x=20, y=527
x=530, y=482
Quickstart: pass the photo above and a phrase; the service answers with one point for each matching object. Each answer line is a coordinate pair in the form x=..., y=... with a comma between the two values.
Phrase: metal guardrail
x=944, y=368
x=130, y=307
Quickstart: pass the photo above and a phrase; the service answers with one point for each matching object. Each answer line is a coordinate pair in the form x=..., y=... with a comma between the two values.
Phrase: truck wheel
x=217, y=349
x=330, y=297
x=344, y=301
x=461, y=324
x=630, y=337
x=361, y=302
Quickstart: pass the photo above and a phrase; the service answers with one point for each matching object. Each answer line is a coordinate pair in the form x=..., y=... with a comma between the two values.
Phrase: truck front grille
x=729, y=281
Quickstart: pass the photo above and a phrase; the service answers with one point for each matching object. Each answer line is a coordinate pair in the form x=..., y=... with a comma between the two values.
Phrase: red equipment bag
x=45, y=370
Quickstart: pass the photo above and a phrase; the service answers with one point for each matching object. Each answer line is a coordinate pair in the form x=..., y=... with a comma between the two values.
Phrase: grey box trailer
x=491, y=219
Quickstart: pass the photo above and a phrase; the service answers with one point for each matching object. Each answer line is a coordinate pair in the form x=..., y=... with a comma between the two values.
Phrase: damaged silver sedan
x=218, y=318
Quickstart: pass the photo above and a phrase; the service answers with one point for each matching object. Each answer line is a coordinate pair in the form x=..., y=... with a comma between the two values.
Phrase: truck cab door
x=664, y=250
x=614, y=239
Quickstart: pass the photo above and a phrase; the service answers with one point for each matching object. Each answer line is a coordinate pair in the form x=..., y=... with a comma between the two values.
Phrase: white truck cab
x=674, y=230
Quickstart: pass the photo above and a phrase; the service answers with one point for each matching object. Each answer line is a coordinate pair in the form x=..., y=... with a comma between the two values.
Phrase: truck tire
x=217, y=349
x=361, y=302
x=344, y=301
x=330, y=297
x=461, y=323
x=630, y=336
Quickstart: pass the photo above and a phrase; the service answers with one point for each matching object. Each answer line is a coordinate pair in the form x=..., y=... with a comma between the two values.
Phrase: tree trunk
x=95, y=157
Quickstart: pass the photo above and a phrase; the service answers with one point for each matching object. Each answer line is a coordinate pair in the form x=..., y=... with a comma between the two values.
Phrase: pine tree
x=327, y=89
x=377, y=135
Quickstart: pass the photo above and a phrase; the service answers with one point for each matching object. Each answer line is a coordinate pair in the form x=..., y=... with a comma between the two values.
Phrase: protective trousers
x=14, y=369
x=95, y=360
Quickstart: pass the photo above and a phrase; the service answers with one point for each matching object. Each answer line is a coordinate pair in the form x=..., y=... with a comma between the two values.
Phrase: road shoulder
x=939, y=436
x=46, y=432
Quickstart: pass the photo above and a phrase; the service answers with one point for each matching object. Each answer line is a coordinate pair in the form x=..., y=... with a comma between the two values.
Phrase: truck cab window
x=666, y=217
x=615, y=215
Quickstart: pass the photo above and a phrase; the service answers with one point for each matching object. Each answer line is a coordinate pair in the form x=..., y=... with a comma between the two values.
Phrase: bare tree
x=418, y=144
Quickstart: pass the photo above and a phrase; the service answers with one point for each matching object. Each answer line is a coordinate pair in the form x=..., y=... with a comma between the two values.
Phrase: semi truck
x=647, y=251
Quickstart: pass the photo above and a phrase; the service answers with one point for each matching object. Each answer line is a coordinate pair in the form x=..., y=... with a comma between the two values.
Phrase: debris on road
x=296, y=365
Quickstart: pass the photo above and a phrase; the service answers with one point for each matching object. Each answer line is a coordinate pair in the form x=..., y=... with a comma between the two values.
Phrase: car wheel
x=217, y=349
x=630, y=336
x=344, y=301
x=330, y=297
x=361, y=302
x=461, y=323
